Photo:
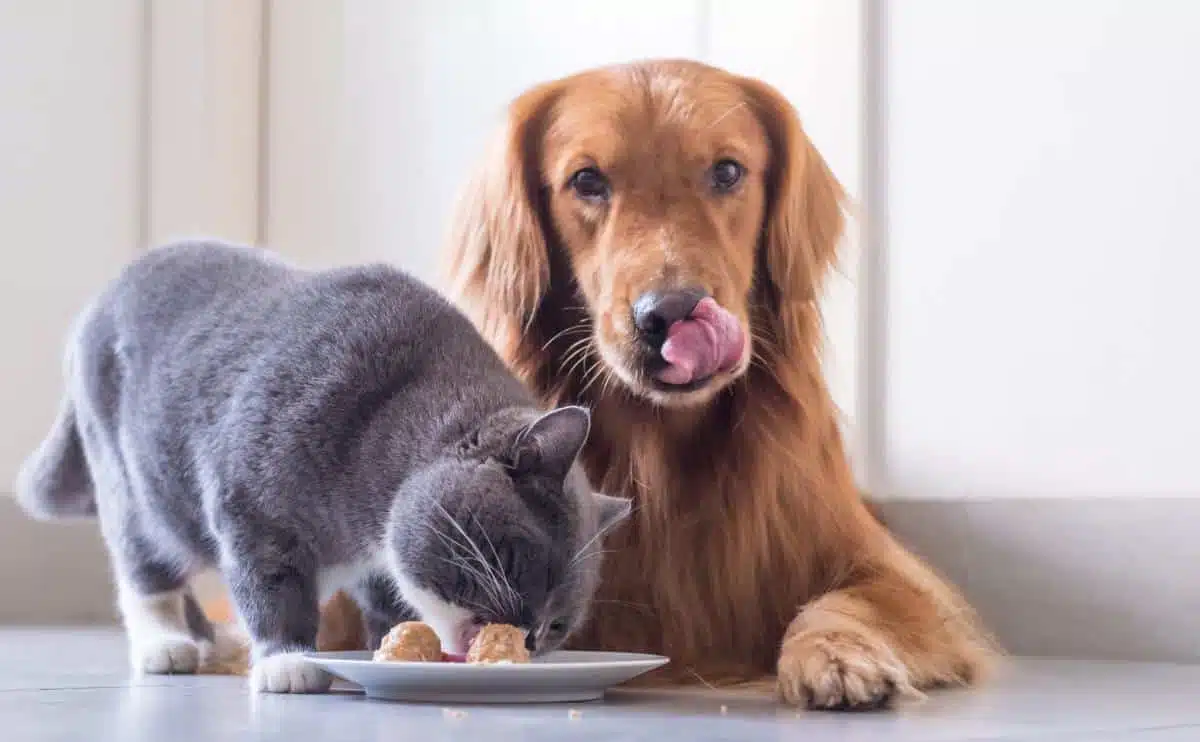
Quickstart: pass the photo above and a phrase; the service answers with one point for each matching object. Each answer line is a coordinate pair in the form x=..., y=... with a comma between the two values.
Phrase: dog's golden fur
x=751, y=552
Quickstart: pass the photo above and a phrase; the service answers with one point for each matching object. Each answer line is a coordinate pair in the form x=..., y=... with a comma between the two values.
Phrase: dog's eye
x=590, y=185
x=725, y=175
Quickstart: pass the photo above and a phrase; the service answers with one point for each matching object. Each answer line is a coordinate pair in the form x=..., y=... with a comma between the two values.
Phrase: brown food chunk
x=498, y=643
x=411, y=641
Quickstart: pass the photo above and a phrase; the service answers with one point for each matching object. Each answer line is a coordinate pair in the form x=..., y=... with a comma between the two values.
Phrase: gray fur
x=226, y=409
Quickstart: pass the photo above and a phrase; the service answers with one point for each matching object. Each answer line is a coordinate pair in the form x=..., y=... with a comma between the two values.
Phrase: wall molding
x=204, y=107
x=870, y=301
x=1096, y=578
x=1086, y=578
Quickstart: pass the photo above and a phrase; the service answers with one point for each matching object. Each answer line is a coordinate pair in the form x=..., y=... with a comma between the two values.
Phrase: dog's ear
x=499, y=266
x=804, y=218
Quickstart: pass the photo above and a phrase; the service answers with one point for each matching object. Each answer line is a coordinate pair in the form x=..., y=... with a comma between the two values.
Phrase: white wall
x=1043, y=178
x=70, y=188
x=334, y=130
x=377, y=111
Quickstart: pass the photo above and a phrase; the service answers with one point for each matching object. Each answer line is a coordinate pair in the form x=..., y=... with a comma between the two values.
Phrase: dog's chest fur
x=714, y=563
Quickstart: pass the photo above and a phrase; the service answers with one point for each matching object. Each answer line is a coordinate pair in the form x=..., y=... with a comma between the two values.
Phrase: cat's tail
x=54, y=482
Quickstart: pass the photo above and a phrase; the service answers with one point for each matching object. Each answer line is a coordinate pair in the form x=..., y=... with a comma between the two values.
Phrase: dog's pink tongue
x=708, y=341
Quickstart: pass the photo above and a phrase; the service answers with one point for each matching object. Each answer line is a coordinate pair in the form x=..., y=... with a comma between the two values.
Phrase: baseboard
x=1097, y=578
x=1094, y=578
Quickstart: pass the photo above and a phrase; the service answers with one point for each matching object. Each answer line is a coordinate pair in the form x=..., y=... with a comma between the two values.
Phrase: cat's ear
x=613, y=510
x=551, y=443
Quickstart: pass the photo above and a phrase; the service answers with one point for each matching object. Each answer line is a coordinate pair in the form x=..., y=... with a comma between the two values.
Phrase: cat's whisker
x=468, y=563
x=599, y=534
x=514, y=597
x=497, y=588
x=457, y=562
x=492, y=596
x=593, y=553
x=460, y=552
x=458, y=559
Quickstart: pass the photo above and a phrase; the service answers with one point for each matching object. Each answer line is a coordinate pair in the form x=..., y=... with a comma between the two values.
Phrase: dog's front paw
x=288, y=673
x=164, y=654
x=840, y=670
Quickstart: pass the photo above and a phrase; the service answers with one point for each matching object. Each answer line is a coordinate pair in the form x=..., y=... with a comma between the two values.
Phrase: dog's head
x=682, y=207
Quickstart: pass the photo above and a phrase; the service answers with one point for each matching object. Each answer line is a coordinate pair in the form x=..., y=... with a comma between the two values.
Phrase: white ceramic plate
x=556, y=677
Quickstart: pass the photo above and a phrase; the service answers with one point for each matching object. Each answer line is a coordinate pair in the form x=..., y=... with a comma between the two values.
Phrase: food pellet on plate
x=498, y=644
x=411, y=641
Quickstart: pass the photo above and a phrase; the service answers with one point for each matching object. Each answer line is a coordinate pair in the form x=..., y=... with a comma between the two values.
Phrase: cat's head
x=505, y=528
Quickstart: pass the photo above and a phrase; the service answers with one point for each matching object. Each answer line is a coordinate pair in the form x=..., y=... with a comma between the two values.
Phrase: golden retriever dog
x=651, y=240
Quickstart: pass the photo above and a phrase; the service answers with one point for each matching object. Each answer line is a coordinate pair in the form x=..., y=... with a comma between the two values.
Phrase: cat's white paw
x=165, y=654
x=288, y=673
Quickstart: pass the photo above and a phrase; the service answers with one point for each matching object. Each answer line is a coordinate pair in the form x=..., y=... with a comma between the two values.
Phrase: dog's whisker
x=579, y=352
x=580, y=348
x=642, y=607
x=579, y=327
x=597, y=371
x=609, y=379
x=583, y=358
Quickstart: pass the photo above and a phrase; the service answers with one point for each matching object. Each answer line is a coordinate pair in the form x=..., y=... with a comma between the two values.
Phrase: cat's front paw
x=288, y=673
x=840, y=670
x=164, y=655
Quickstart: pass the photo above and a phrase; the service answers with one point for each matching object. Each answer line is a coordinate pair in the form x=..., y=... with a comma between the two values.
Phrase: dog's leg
x=893, y=629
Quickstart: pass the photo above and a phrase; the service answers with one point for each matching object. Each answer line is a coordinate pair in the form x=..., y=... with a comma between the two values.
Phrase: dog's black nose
x=654, y=312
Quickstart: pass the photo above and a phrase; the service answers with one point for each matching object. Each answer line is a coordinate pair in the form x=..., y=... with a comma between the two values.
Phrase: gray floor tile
x=1154, y=734
x=62, y=685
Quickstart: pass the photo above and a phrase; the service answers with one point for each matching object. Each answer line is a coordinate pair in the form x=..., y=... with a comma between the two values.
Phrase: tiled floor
x=72, y=685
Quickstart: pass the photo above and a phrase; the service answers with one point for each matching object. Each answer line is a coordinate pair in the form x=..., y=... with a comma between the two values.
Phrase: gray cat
x=306, y=432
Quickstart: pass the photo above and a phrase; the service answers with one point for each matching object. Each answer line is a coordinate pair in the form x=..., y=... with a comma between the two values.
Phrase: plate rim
x=623, y=660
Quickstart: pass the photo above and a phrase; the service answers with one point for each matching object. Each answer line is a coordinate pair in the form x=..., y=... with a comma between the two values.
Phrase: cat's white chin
x=288, y=673
x=450, y=622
